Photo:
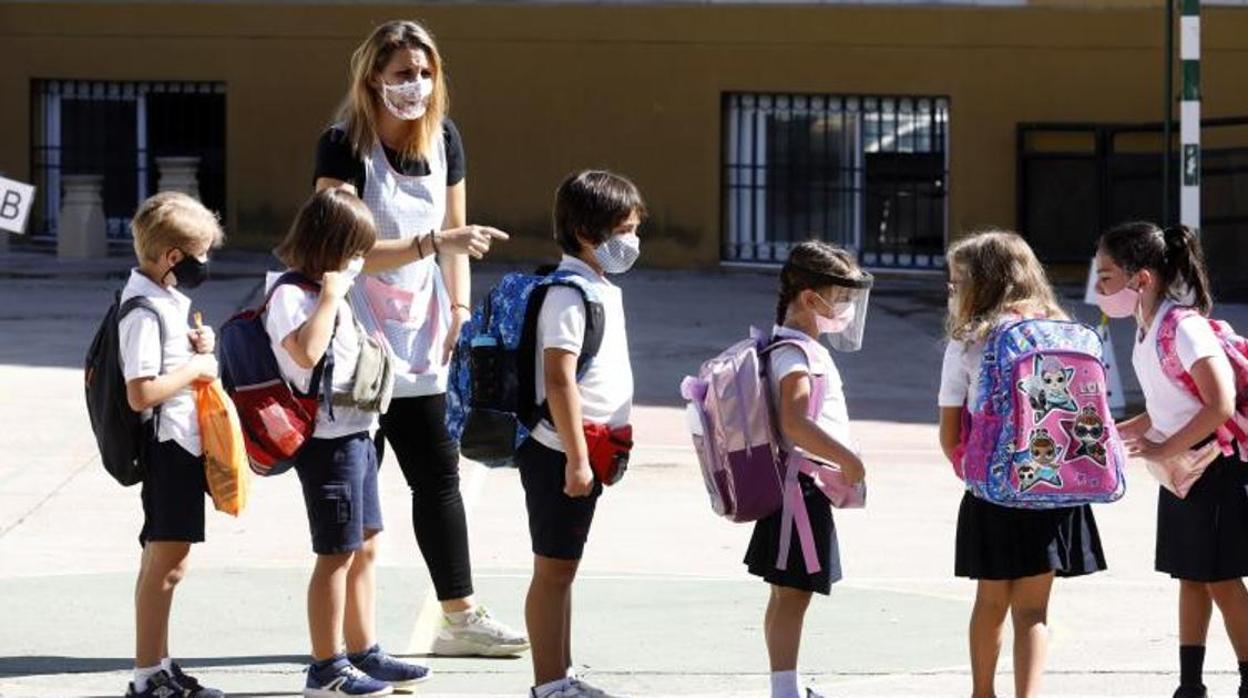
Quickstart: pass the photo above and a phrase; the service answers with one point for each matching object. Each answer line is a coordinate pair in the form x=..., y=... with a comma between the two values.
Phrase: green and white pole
x=1189, y=115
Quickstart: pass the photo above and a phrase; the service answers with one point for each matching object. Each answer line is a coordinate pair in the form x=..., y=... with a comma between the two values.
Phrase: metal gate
x=118, y=129
x=1077, y=180
x=869, y=173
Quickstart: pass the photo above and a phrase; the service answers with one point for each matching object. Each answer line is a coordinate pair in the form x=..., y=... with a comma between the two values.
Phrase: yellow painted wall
x=539, y=90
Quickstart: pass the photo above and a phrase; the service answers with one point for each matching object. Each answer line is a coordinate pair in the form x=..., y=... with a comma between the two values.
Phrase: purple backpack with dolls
x=1041, y=433
x=747, y=472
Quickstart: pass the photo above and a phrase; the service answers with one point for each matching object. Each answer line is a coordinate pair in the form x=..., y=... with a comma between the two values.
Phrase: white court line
x=429, y=618
x=881, y=583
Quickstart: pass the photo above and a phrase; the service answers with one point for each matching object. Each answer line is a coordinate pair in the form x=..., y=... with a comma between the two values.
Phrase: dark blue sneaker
x=193, y=688
x=337, y=677
x=160, y=685
x=384, y=667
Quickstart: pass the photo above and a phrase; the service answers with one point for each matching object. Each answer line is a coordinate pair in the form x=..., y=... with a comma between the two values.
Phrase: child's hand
x=1131, y=429
x=1143, y=448
x=578, y=479
x=335, y=284
x=205, y=367
x=853, y=471
x=203, y=340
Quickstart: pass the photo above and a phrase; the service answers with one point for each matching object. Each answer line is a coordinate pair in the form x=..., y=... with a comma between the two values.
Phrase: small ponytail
x=782, y=306
x=1185, y=266
x=807, y=267
x=1174, y=254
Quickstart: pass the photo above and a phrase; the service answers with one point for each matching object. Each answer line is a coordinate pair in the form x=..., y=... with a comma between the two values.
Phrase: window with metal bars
x=117, y=130
x=868, y=173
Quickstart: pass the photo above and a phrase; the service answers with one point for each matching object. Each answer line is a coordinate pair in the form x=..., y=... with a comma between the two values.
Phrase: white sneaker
x=570, y=691
x=478, y=636
x=590, y=690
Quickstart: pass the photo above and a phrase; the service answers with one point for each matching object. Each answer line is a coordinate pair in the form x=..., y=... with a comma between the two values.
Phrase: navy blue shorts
x=173, y=494
x=558, y=524
x=339, y=478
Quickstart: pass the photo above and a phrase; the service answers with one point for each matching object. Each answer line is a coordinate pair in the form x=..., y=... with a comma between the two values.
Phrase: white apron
x=408, y=307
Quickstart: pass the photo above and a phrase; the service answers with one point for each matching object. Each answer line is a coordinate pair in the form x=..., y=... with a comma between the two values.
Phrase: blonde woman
x=394, y=147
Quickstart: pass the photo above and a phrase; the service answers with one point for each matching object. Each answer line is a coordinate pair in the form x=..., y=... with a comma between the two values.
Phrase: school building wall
x=539, y=90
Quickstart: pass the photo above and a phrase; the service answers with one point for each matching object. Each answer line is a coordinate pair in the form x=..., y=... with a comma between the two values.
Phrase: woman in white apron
x=394, y=147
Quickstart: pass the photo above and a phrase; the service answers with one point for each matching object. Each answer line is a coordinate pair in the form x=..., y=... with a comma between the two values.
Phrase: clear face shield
x=844, y=314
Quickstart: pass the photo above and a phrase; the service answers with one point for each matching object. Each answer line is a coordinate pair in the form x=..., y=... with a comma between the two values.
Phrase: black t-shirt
x=335, y=158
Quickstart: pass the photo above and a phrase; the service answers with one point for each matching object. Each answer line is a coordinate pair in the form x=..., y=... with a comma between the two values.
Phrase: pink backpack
x=1040, y=434
x=1235, y=431
x=747, y=472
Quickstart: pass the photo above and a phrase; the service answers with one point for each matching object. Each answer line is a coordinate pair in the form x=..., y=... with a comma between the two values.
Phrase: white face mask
x=408, y=100
x=618, y=254
x=354, y=267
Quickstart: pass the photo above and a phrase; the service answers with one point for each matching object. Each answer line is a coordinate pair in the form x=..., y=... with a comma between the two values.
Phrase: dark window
x=118, y=130
x=868, y=173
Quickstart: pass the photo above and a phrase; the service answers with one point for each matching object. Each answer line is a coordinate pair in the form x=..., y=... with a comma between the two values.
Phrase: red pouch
x=608, y=450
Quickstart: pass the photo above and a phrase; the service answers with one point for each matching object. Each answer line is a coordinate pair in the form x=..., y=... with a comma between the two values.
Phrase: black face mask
x=190, y=272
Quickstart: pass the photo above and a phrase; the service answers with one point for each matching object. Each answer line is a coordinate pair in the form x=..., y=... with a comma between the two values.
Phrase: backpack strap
x=1168, y=354
x=793, y=514
x=321, y=384
x=144, y=303
x=529, y=412
x=818, y=382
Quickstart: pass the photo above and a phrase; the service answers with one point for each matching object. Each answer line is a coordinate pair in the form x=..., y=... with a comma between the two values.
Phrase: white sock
x=460, y=617
x=571, y=673
x=784, y=684
x=547, y=689
x=142, y=674
x=167, y=665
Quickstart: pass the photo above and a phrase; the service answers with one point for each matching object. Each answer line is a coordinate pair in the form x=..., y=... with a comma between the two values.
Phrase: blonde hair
x=360, y=109
x=1000, y=275
x=171, y=220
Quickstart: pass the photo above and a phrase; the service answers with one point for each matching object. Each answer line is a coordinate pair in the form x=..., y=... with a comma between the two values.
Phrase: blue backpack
x=492, y=396
x=276, y=419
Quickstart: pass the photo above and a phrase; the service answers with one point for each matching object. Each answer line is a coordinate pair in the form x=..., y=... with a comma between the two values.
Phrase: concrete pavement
x=664, y=606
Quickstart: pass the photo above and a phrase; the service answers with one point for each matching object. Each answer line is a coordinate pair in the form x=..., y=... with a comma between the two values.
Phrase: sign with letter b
x=15, y=201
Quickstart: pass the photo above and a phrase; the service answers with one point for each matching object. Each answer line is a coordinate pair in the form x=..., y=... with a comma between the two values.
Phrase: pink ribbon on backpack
x=827, y=479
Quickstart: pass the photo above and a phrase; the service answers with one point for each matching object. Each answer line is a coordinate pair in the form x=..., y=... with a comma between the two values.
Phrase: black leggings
x=429, y=457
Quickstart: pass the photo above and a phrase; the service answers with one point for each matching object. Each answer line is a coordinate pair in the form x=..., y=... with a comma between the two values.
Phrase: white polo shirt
x=1169, y=406
x=606, y=390
x=139, y=337
x=959, y=373
x=785, y=361
x=288, y=310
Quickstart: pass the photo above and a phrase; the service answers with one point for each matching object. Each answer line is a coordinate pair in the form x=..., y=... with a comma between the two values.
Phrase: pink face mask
x=842, y=315
x=1121, y=303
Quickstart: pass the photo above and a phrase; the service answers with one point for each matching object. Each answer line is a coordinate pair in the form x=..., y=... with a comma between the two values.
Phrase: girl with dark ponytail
x=1158, y=277
x=823, y=294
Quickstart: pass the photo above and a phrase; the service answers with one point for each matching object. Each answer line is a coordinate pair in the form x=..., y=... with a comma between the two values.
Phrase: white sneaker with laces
x=480, y=635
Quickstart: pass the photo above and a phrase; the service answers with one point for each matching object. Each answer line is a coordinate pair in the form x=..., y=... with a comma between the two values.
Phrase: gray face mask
x=618, y=254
